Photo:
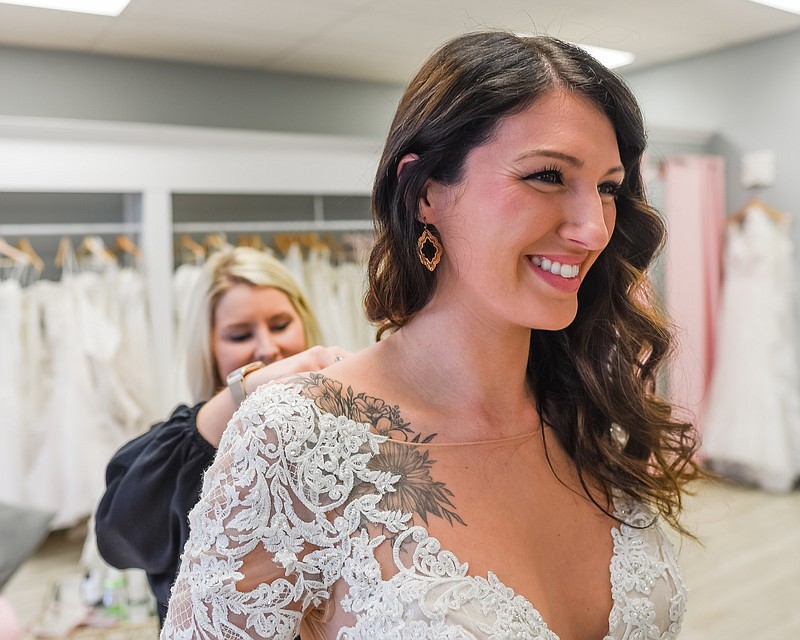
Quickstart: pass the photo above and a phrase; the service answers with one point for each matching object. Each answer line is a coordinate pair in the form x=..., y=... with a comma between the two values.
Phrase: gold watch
x=235, y=380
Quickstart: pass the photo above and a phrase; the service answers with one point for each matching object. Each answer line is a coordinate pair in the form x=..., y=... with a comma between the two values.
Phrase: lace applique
x=644, y=562
x=433, y=598
x=293, y=482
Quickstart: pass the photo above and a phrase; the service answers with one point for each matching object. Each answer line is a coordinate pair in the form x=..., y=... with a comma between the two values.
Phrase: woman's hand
x=214, y=415
x=312, y=359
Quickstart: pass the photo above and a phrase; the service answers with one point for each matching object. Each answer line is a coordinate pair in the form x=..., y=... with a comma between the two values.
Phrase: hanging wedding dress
x=56, y=479
x=350, y=290
x=134, y=361
x=12, y=424
x=83, y=412
x=336, y=293
x=752, y=427
x=320, y=280
x=184, y=283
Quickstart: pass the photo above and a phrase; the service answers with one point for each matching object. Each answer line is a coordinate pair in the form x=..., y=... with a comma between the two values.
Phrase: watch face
x=241, y=372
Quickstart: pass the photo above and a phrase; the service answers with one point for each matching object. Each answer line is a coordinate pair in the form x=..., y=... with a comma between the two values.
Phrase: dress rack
x=272, y=227
x=70, y=229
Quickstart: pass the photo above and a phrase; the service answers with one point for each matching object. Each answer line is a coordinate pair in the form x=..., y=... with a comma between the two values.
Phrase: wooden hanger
x=216, y=242
x=95, y=247
x=197, y=250
x=127, y=245
x=337, y=248
x=25, y=246
x=284, y=241
x=64, y=247
x=253, y=241
x=17, y=255
x=313, y=241
x=775, y=215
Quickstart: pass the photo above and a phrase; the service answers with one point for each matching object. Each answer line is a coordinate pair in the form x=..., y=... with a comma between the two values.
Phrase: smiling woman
x=499, y=464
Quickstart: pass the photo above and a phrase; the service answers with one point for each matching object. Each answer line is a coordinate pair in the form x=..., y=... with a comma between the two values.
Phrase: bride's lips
x=560, y=272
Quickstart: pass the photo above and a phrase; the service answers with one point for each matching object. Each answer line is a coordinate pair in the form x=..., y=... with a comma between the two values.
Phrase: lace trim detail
x=432, y=597
x=643, y=562
x=293, y=481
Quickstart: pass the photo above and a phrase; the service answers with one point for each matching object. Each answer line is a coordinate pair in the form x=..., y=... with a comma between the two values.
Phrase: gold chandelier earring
x=434, y=248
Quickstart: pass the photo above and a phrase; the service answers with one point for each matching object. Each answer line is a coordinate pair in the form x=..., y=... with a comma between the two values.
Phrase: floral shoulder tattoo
x=417, y=492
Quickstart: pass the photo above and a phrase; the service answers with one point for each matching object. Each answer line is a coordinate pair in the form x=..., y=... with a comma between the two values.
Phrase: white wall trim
x=42, y=154
x=668, y=135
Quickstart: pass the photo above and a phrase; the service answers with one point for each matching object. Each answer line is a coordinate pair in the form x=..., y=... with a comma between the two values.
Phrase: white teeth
x=556, y=268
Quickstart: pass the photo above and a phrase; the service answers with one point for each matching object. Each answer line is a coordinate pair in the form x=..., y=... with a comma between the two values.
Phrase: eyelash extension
x=613, y=188
x=551, y=169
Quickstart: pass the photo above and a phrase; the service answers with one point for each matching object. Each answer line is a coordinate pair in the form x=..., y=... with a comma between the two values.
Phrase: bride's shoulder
x=350, y=393
x=307, y=409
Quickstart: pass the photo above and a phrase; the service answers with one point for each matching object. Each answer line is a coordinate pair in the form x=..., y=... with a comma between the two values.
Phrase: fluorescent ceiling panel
x=612, y=58
x=792, y=6
x=100, y=7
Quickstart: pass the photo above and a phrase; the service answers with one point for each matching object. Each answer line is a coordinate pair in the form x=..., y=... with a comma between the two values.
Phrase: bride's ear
x=433, y=197
x=425, y=203
x=405, y=161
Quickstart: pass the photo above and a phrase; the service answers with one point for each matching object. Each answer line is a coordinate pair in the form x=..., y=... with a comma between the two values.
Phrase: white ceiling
x=383, y=40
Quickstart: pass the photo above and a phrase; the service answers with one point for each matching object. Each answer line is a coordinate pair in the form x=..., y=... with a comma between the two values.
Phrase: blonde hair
x=222, y=271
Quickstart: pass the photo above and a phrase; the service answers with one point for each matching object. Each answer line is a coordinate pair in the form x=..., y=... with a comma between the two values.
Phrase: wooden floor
x=744, y=581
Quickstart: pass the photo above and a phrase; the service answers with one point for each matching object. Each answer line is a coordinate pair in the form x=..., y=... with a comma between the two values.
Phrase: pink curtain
x=694, y=207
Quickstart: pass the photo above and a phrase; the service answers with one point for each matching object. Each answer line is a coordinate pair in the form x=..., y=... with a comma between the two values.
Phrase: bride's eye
x=610, y=188
x=551, y=175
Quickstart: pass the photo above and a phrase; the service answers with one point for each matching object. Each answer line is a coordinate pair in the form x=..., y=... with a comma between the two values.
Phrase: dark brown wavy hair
x=597, y=377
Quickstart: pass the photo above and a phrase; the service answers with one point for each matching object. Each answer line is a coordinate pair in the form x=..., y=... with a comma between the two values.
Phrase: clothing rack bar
x=272, y=227
x=70, y=229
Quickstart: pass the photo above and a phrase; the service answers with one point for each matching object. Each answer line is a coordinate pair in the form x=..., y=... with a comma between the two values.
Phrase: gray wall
x=74, y=85
x=749, y=96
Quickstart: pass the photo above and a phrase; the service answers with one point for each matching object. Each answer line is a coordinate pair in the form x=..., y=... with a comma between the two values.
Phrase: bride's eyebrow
x=565, y=157
x=557, y=155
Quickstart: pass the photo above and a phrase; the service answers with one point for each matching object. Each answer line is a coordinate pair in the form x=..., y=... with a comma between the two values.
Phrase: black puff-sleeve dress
x=152, y=483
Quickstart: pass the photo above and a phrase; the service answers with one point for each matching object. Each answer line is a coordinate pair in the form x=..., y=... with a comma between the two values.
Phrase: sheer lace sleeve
x=271, y=530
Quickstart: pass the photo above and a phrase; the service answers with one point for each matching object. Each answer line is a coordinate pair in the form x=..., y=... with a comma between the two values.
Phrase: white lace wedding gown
x=292, y=495
x=13, y=452
x=752, y=427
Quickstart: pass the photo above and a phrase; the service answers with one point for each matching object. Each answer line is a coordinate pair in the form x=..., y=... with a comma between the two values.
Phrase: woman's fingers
x=312, y=359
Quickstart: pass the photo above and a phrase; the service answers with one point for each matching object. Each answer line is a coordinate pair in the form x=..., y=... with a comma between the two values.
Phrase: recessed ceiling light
x=792, y=6
x=100, y=7
x=612, y=58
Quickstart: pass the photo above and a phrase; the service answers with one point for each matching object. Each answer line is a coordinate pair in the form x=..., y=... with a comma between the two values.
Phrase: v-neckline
x=615, y=554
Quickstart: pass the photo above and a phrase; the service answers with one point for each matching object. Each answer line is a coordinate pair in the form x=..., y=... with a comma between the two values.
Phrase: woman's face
x=533, y=212
x=254, y=323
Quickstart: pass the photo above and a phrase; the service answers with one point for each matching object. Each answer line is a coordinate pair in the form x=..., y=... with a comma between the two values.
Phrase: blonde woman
x=249, y=324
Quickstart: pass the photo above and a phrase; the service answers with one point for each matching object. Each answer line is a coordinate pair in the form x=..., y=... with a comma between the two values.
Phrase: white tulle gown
x=752, y=427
